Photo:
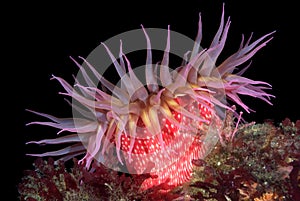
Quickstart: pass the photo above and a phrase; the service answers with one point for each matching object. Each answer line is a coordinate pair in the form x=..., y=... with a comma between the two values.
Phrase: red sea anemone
x=163, y=125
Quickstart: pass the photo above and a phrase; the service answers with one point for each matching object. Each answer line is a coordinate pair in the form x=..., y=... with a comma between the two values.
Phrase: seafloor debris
x=50, y=181
x=262, y=162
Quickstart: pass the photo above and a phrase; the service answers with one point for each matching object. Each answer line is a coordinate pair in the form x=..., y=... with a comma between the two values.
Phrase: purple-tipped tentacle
x=198, y=39
x=150, y=77
x=165, y=75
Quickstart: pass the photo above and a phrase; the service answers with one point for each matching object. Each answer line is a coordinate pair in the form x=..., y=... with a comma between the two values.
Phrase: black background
x=41, y=38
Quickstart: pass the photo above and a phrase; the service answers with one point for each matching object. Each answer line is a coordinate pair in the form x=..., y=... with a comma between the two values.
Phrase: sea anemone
x=161, y=126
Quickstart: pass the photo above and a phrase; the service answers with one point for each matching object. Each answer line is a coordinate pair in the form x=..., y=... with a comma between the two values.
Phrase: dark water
x=44, y=36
